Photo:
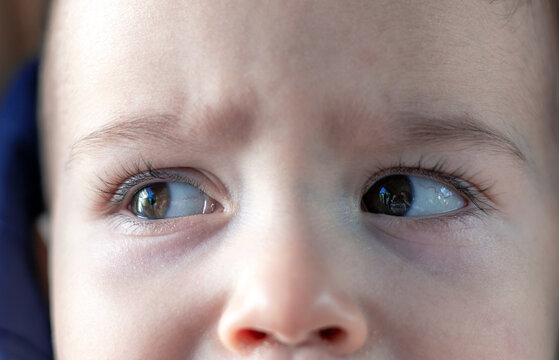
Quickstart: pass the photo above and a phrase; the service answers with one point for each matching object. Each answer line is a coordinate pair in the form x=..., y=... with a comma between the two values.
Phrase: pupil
x=391, y=195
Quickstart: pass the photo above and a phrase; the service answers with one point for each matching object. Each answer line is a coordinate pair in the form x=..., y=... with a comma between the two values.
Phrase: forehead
x=110, y=60
x=201, y=46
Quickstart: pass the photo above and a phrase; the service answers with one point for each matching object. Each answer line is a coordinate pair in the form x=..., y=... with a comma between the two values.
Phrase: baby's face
x=301, y=180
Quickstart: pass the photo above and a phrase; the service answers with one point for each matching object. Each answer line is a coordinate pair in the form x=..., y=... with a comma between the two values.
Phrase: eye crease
x=170, y=200
x=411, y=196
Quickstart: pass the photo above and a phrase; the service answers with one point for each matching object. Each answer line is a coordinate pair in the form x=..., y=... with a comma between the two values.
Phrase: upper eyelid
x=410, y=171
x=143, y=180
x=172, y=175
x=437, y=172
x=117, y=193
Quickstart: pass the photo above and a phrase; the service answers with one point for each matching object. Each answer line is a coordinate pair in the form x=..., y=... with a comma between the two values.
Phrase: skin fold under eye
x=170, y=200
x=402, y=195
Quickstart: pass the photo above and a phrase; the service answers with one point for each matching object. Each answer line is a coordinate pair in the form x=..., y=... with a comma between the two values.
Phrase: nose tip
x=323, y=320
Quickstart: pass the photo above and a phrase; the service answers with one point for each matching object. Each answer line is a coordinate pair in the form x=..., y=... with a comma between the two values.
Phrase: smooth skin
x=284, y=113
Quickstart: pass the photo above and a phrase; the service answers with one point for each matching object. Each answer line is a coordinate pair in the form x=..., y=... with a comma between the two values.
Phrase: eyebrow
x=217, y=132
x=123, y=132
x=466, y=131
x=198, y=134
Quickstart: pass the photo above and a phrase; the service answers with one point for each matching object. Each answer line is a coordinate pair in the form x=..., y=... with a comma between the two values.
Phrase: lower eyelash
x=134, y=226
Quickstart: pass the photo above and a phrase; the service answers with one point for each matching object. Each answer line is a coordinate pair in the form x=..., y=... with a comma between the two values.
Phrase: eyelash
x=115, y=190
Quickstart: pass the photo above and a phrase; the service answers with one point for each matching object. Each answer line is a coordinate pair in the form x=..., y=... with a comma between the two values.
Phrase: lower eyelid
x=125, y=223
x=428, y=229
x=448, y=247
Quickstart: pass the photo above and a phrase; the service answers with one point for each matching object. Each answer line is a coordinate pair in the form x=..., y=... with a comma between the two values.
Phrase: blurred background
x=21, y=27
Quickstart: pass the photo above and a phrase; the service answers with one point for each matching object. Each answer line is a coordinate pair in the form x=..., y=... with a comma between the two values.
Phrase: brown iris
x=151, y=202
x=391, y=195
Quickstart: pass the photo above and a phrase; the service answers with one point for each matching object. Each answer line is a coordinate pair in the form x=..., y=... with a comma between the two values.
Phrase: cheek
x=137, y=326
x=156, y=315
x=485, y=299
x=122, y=298
x=420, y=317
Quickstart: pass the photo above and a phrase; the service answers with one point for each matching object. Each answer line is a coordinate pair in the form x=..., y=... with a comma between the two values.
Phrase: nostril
x=332, y=334
x=250, y=337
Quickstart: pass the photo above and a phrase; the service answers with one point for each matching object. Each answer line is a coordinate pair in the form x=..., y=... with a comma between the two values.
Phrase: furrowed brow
x=201, y=133
x=125, y=132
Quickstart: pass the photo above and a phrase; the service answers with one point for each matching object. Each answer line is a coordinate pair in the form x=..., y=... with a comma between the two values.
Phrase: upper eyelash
x=116, y=190
x=113, y=186
x=478, y=194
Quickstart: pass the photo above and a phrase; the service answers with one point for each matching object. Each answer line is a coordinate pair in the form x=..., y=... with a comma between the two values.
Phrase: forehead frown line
x=227, y=131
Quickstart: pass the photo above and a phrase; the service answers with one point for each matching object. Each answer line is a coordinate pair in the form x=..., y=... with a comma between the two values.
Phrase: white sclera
x=432, y=198
x=185, y=200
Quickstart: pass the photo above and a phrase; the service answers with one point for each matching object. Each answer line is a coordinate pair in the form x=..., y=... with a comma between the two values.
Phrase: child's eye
x=402, y=195
x=170, y=200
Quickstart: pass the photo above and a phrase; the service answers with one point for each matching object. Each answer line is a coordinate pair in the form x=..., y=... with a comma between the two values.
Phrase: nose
x=288, y=297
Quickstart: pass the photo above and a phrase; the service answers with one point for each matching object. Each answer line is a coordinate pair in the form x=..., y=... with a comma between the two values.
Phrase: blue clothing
x=24, y=321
